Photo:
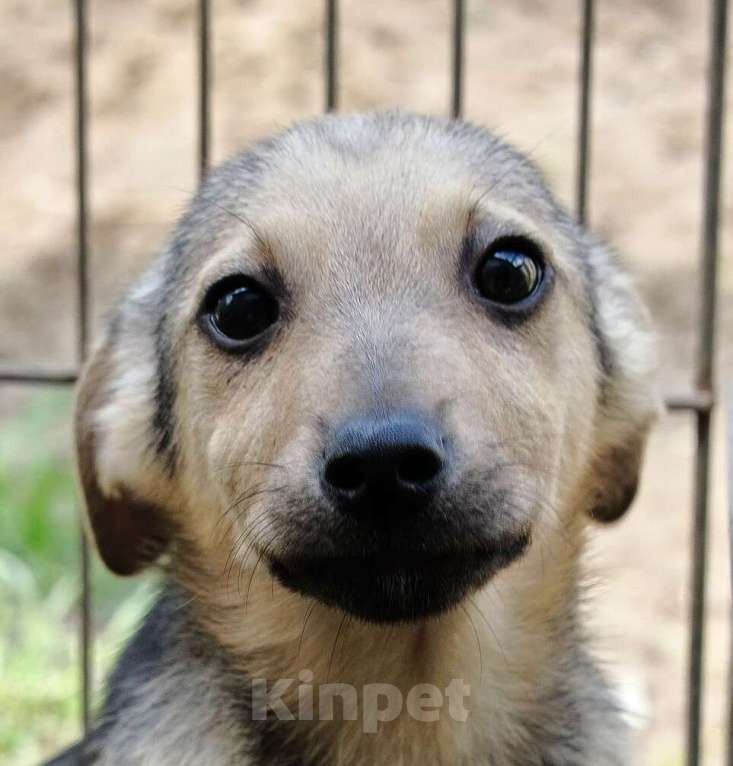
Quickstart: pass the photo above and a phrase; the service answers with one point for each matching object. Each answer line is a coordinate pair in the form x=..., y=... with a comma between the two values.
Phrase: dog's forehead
x=337, y=209
x=350, y=176
x=366, y=192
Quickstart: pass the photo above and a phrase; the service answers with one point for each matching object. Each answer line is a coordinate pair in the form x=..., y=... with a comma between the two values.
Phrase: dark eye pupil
x=508, y=276
x=244, y=312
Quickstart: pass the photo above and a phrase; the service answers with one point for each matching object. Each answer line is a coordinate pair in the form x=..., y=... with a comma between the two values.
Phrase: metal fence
x=699, y=402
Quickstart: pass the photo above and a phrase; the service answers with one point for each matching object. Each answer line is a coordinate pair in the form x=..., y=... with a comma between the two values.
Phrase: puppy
x=360, y=412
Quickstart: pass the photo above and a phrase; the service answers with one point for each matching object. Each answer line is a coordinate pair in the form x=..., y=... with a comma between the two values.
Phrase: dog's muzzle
x=406, y=548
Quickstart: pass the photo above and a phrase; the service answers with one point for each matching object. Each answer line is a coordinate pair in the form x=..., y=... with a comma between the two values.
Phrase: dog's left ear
x=628, y=401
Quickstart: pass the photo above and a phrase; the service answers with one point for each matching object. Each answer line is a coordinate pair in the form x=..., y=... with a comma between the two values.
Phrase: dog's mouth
x=395, y=586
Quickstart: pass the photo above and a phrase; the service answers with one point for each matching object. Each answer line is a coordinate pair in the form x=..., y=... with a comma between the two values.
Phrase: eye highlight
x=510, y=271
x=238, y=310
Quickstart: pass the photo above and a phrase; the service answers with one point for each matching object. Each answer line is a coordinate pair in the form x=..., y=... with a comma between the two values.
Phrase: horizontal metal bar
x=57, y=377
x=695, y=401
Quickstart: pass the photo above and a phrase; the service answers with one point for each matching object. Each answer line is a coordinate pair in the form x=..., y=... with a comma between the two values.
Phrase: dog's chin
x=396, y=587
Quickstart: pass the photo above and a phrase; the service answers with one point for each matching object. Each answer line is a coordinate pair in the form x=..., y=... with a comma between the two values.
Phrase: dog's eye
x=239, y=309
x=510, y=271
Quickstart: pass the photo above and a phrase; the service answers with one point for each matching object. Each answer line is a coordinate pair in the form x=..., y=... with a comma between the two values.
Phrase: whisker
x=308, y=613
x=246, y=495
x=248, y=463
x=244, y=537
x=490, y=627
x=252, y=576
x=259, y=524
x=243, y=511
x=335, y=643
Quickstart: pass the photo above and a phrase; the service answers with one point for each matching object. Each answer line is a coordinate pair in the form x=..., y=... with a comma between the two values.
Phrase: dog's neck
x=495, y=665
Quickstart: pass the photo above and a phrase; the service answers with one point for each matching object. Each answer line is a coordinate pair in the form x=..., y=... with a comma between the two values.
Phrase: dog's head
x=375, y=355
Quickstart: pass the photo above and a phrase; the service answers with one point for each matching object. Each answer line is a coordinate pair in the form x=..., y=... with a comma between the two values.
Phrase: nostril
x=345, y=473
x=419, y=466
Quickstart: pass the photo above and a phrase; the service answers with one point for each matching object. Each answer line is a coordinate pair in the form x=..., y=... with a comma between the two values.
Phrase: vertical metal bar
x=204, y=105
x=697, y=586
x=331, y=59
x=80, y=77
x=729, y=744
x=457, y=58
x=713, y=170
x=706, y=366
x=584, y=109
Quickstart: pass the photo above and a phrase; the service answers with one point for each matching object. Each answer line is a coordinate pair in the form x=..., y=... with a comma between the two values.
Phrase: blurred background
x=521, y=79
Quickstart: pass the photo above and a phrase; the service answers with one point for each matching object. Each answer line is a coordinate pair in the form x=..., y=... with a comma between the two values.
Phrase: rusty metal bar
x=80, y=81
x=705, y=368
x=458, y=38
x=729, y=744
x=204, y=94
x=585, y=93
x=331, y=57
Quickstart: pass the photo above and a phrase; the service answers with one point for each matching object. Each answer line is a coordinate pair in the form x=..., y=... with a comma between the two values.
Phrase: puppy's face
x=376, y=357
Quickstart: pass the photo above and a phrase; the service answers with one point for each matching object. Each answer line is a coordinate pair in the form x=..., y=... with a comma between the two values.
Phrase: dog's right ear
x=125, y=480
x=628, y=400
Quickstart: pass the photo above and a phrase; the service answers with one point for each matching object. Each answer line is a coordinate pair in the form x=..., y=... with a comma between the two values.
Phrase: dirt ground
x=522, y=61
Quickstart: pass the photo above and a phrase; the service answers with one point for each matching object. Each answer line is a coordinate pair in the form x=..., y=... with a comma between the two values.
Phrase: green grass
x=39, y=586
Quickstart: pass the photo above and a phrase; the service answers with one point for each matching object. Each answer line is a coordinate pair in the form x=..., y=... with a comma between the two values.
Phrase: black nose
x=380, y=464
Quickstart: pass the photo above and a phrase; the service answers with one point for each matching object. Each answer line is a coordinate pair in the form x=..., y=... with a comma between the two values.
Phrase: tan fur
x=365, y=217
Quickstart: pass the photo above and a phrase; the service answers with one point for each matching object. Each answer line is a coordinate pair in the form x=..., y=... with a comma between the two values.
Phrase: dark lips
x=395, y=586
